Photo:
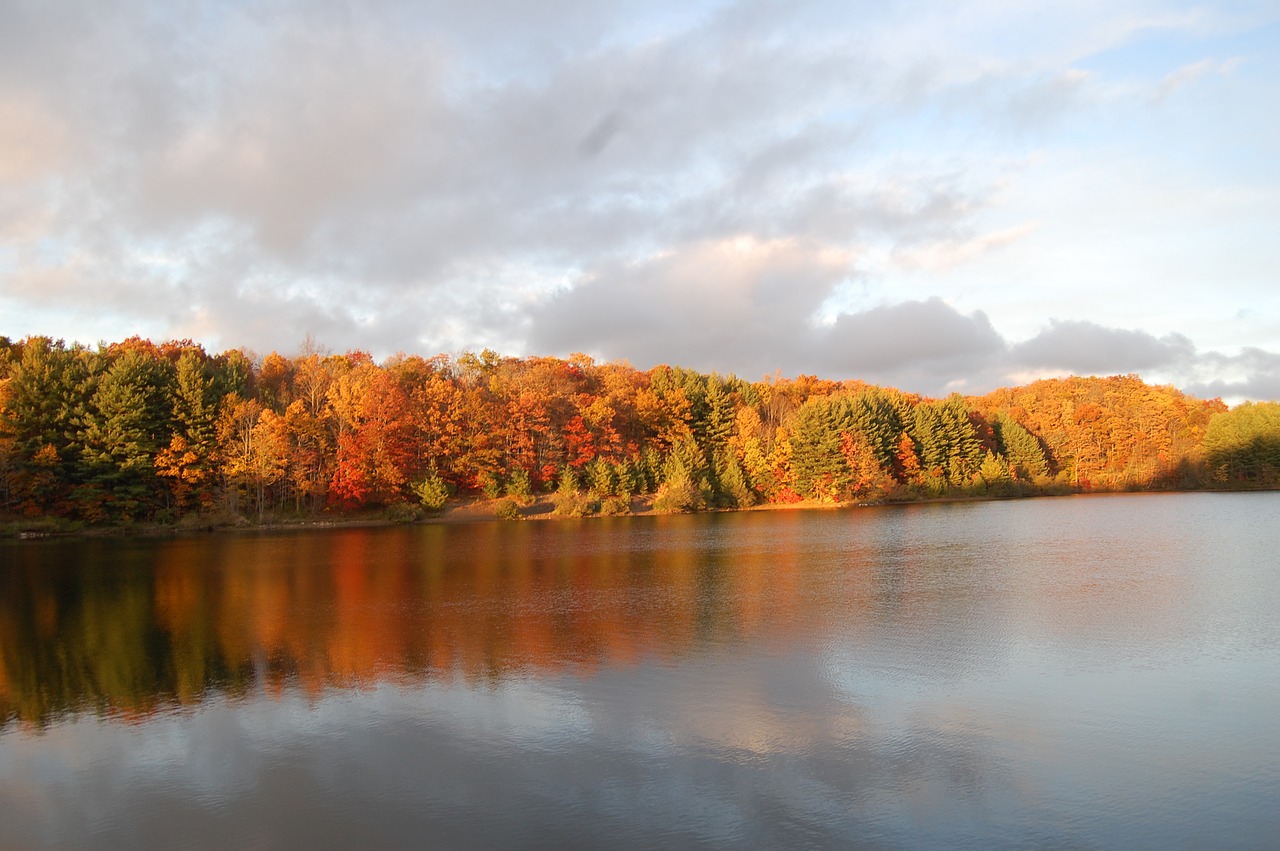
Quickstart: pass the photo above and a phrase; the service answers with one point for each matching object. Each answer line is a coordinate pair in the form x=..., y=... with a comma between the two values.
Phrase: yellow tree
x=268, y=456
x=187, y=472
x=235, y=439
x=747, y=446
x=310, y=451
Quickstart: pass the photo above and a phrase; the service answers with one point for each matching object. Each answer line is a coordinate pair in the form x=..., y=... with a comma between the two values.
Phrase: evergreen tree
x=964, y=450
x=189, y=461
x=817, y=464
x=649, y=470
x=717, y=426
x=40, y=422
x=601, y=479
x=129, y=419
x=569, y=500
x=1021, y=448
x=929, y=437
x=627, y=478
x=685, y=485
x=873, y=414
x=519, y=488
x=950, y=451
x=732, y=490
x=232, y=372
x=568, y=482
x=47, y=393
x=432, y=492
x=994, y=472
x=195, y=405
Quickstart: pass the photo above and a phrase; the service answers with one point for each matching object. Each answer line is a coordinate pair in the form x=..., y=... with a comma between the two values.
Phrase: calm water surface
x=1090, y=672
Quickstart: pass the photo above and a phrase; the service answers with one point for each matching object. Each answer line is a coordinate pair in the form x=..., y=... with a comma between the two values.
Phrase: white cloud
x=1188, y=74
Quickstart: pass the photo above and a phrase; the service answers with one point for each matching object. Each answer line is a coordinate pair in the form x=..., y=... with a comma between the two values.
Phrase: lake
x=1078, y=672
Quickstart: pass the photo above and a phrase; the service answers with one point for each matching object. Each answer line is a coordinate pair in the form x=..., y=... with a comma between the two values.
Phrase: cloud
x=1252, y=374
x=749, y=307
x=1191, y=72
x=731, y=305
x=919, y=344
x=1088, y=349
x=601, y=135
x=745, y=187
x=948, y=253
x=33, y=140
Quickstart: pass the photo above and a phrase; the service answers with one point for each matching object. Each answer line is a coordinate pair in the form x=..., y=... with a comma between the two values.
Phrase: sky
x=935, y=196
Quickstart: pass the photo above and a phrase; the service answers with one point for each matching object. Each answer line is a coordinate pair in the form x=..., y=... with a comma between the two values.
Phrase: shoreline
x=482, y=510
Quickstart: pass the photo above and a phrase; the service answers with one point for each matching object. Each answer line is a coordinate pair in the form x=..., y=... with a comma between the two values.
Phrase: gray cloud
x=748, y=307
x=924, y=345
x=601, y=135
x=732, y=305
x=1252, y=374
x=1086, y=348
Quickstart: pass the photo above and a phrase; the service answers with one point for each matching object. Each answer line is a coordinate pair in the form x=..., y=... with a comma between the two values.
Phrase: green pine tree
x=129, y=418
x=1021, y=448
x=732, y=489
x=816, y=460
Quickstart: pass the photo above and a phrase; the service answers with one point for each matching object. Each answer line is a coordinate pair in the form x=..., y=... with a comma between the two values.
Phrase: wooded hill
x=135, y=431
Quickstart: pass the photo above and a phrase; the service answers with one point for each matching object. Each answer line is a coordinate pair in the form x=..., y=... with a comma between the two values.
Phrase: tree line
x=138, y=431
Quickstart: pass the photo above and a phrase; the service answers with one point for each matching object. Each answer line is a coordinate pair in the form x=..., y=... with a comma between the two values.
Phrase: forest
x=139, y=432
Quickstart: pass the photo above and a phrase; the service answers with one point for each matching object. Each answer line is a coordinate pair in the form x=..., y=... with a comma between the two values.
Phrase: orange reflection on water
x=357, y=606
x=116, y=626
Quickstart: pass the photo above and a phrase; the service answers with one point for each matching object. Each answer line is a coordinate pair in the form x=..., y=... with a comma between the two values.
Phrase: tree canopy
x=136, y=431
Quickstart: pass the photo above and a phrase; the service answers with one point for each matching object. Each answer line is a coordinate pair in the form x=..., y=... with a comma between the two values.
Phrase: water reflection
x=127, y=627
x=1021, y=674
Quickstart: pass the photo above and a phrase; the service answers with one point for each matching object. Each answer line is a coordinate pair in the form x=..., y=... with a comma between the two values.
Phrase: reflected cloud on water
x=899, y=677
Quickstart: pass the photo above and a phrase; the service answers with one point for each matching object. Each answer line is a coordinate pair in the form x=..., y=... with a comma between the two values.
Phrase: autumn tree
x=865, y=478
x=906, y=461
x=237, y=420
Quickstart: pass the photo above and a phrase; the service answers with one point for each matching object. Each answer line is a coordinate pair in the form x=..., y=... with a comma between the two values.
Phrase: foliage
x=1242, y=446
x=403, y=512
x=995, y=474
x=1024, y=452
x=134, y=431
x=678, y=495
x=432, y=492
x=519, y=489
x=615, y=505
x=577, y=504
x=569, y=499
x=685, y=486
x=732, y=490
x=602, y=478
x=506, y=509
